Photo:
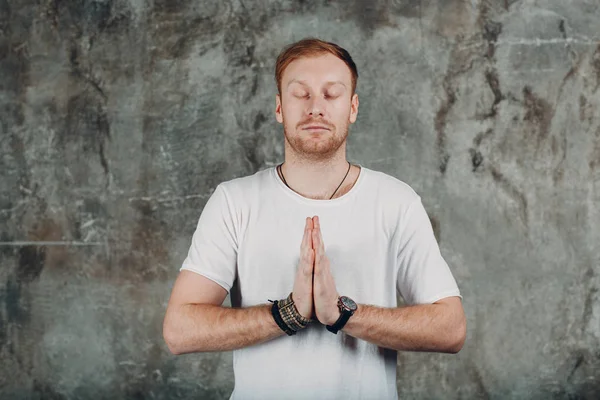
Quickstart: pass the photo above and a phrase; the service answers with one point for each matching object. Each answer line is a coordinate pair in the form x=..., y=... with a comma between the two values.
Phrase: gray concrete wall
x=119, y=118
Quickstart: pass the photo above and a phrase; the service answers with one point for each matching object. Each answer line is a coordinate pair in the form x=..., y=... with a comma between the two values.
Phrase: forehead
x=317, y=70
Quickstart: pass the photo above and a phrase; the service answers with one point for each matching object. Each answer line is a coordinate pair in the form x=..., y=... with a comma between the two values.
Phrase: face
x=316, y=105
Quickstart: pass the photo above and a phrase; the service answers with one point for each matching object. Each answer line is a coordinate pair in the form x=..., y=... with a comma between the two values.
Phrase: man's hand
x=302, y=293
x=325, y=294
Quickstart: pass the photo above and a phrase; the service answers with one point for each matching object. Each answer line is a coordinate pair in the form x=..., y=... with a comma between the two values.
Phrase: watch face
x=348, y=303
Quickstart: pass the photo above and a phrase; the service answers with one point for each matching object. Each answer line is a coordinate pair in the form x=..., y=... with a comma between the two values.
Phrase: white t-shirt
x=378, y=239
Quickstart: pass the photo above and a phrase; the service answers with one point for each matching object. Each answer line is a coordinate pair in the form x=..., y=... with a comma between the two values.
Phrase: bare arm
x=439, y=327
x=207, y=327
x=195, y=321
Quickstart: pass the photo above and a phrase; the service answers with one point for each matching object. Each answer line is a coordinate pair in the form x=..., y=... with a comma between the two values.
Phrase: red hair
x=309, y=47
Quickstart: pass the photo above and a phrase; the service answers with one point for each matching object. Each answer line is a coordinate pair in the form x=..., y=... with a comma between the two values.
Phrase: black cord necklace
x=283, y=177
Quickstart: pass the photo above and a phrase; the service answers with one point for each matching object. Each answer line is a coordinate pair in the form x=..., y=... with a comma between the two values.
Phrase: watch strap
x=341, y=321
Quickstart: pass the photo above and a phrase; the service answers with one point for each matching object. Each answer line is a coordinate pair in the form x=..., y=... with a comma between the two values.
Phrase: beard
x=319, y=146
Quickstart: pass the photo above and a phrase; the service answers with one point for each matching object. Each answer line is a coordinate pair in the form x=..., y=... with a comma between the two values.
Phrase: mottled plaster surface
x=119, y=118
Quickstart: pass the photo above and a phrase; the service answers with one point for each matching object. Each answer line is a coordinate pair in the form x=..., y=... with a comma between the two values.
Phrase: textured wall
x=119, y=118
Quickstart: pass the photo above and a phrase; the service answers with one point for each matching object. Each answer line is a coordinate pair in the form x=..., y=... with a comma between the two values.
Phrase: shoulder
x=392, y=188
x=242, y=187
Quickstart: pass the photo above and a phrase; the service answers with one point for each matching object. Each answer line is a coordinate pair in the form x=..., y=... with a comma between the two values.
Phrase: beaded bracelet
x=287, y=317
x=290, y=314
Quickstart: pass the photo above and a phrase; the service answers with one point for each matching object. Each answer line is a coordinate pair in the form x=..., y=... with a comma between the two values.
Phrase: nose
x=316, y=107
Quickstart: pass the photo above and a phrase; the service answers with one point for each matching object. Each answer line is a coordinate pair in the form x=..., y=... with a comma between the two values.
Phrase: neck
x=318, y=179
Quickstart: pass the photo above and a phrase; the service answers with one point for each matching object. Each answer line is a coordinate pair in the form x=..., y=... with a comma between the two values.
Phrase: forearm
x=206, y=327
x=426, y=327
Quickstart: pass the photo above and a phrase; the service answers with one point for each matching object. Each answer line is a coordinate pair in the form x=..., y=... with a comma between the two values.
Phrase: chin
x=323, y=144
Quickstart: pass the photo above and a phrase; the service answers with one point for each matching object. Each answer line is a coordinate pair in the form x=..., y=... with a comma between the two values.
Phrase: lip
x=316, y=128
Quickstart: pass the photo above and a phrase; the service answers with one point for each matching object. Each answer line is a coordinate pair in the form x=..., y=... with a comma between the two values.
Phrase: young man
x=334, y=241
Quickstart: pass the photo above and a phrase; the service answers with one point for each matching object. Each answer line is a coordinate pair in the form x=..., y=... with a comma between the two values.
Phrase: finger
x=318, y=238
x=307, y=250
x=306, y=239
x=309, y=241
x=318, y=254
x=321, y=242
x=304, y=246
x=315, y=242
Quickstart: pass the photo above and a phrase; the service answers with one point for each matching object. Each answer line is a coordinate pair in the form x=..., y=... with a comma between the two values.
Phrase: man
x=337, y=240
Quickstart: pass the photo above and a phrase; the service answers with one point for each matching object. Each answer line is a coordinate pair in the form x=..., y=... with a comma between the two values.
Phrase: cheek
x=291, y=111
x=341, y=111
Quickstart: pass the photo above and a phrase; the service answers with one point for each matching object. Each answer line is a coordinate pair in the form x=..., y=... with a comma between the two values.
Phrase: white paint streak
x=170, y=199
x=91, y=234
x=130, y=362
x=19, y=204
x=380, y=160
x=539, y=42
x=536, y=42
x=88, y=223
x=44, y=243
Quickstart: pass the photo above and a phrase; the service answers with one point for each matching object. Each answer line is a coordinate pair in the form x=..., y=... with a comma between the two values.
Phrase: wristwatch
x=347, y=307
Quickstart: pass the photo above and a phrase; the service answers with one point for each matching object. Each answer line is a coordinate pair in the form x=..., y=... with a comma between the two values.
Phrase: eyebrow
x=327, y=83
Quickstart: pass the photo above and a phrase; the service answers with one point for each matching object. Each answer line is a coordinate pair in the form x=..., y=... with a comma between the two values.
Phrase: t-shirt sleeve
x=423, y=275
x=213, y=251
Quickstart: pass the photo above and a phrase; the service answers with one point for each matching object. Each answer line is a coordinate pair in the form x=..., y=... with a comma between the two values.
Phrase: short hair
x=309, y=47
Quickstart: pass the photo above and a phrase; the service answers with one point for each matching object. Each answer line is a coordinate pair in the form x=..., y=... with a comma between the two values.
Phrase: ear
x=278, y=114
x=353, y=108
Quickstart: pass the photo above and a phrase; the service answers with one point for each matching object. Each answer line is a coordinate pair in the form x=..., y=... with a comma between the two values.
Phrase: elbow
x=458, y=337
x=172, y=347
x=456, y=346
x=170, y=339
x=171, y=343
